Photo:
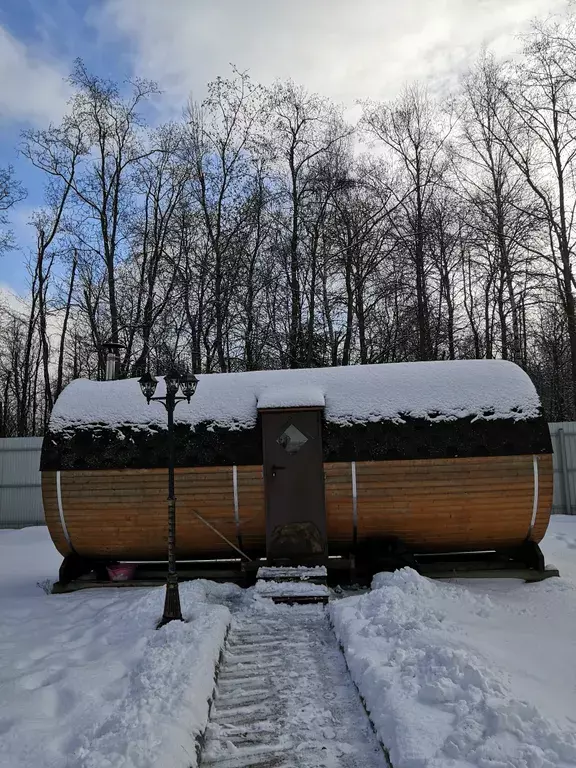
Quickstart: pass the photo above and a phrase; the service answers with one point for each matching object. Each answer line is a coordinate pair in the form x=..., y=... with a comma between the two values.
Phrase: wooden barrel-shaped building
x=301, y=465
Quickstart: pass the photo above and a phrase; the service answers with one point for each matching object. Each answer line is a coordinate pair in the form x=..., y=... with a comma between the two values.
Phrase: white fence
x=21, y=496
x=20, y=489
x=564, y=444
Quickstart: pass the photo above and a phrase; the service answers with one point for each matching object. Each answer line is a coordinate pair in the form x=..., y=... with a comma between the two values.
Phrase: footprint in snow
x=5, y=725
x=41, y=679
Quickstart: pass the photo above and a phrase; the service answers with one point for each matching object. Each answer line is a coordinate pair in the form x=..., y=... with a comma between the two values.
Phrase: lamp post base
x=172, y=610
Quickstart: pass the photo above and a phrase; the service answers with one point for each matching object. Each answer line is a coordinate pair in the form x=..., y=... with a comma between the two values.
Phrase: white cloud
x=10, y=299
x=343, y=49
x=19, y=305
x=32, y=89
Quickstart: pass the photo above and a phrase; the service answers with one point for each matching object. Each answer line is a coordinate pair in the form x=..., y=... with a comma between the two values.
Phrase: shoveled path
x=285, y=698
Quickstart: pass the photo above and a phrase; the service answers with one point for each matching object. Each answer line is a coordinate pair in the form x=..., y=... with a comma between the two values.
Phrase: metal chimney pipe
x=111, y=366
x=112, y=359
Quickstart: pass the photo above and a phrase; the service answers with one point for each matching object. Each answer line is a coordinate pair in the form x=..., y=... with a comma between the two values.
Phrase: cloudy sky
x=345, y=49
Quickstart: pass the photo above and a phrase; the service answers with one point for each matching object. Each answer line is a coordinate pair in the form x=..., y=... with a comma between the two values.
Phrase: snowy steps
x=284, y=698
x=262, y=761
x=293, y=585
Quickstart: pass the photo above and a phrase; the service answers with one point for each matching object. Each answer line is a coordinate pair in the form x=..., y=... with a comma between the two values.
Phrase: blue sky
x=342, y=49
x=49, y=35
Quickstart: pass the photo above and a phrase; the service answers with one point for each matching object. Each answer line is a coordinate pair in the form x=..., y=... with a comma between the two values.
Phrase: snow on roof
x=286, y=397
x=437, y=391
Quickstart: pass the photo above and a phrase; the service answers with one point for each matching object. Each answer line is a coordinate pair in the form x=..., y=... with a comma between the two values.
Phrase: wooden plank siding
x=472, y=503
x=252, y=508
x=339, y=504
x=481, y=502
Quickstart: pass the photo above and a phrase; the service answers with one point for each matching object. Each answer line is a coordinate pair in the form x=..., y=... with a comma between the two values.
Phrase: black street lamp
x=174, y=381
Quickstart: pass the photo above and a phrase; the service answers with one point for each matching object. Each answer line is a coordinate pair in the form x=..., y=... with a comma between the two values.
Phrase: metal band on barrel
x=236, y=505
x=535, y=502
x=354, y=504
x=61, y=510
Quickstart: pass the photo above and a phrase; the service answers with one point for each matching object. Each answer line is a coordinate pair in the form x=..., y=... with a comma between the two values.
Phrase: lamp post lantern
x=188, y=383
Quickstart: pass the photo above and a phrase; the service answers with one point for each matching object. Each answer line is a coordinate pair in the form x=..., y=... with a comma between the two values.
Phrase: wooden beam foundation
x=525, y=562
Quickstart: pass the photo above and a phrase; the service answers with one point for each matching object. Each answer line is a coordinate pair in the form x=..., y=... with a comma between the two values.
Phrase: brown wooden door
x=294, y=484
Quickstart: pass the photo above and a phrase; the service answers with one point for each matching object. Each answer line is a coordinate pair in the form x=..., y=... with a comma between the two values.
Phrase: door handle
x=275, y=468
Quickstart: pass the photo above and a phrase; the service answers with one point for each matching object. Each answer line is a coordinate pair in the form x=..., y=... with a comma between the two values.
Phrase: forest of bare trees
x=264, y=231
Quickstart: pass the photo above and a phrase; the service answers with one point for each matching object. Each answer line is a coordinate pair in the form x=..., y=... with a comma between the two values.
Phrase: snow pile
x=482, y=675
x=437, y=391
x=164, y=706
x=86, y=679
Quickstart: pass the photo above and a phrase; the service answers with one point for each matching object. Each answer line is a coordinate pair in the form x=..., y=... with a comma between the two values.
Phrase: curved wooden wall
x=122, y=514
x=432, y=505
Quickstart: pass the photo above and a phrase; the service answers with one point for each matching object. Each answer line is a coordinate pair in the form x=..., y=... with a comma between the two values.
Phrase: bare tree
x=160, y=180
x=541, y=141
x=57, y=152
x=219, y=132
x=501, y=211
x=11, y=192
x=253, y=234
x=412, y=130
x=113, y=147
x=302, y=128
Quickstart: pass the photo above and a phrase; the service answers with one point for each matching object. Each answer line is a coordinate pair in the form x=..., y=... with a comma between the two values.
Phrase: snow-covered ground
x=461, y=674
x=475, y=673
x=86, y=681
x=559, y=545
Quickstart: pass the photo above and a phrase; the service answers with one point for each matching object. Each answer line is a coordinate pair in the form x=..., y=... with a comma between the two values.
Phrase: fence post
x=564, y=472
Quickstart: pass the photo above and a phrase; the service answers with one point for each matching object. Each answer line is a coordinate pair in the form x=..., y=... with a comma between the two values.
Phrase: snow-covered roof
x=300, y=395
x=437, y=391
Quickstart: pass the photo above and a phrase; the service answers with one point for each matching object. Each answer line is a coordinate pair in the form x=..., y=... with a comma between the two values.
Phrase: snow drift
x=87, y=681
x=453, y=676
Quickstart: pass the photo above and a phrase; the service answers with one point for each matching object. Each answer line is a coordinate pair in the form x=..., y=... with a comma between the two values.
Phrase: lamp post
x=174, y=381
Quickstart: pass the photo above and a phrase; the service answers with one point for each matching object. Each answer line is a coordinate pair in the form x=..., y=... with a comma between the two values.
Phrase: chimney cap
x=112, y=346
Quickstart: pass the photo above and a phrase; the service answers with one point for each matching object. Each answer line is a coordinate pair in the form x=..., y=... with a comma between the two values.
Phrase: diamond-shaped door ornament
x=292, y=439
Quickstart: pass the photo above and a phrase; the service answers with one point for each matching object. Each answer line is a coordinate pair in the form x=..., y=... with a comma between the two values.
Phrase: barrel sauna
x=300, y=465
